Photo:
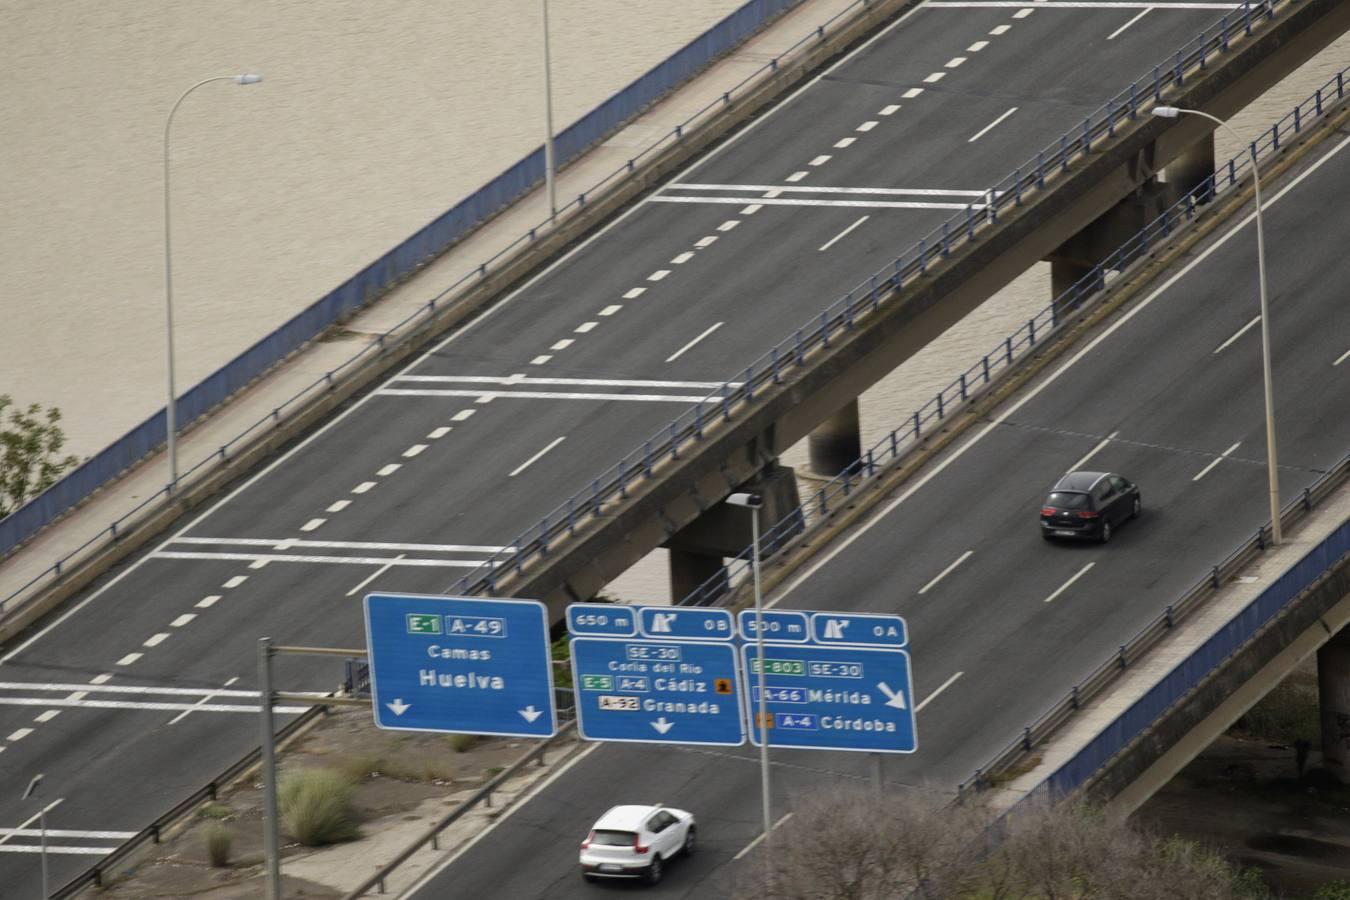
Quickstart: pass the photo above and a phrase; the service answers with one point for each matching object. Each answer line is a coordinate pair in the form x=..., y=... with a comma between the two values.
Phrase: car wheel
x=1136, y=508
x=690, y=841
x=1105, y=535
x=654, y=872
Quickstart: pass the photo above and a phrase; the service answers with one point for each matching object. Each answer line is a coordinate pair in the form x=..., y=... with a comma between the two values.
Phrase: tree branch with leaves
x=30, y=452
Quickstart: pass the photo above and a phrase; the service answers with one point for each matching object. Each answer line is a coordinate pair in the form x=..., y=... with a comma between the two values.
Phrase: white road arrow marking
x=398, y=707
x=893, y=698
x=529, y=713
x=662, y=726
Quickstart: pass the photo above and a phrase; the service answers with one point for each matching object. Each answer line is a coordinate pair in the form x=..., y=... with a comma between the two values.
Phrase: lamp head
x=749, y=501
x=247, y=78
x=1166, y=112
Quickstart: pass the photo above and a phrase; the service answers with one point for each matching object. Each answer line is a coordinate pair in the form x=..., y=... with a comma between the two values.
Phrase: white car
x=636, y=842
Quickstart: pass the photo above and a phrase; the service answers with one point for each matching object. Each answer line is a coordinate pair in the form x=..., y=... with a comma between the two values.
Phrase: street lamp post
x=550, y=176
x=42, y=827
x=1272, y=470
x=753, y=502
x=171, y=409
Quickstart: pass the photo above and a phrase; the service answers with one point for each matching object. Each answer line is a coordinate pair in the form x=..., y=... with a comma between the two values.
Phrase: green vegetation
x=215, y=810
x=316, y=806
x=1287, y=713
x=219, y=840
x=1336, y=890
x=30, y=447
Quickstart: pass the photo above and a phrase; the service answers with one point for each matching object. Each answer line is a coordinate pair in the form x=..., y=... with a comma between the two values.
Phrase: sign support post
x=271, y=843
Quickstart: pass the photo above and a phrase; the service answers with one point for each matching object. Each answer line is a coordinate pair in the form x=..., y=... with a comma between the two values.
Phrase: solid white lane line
x=682, y=258
x=340, y=505
x=977, y=46
x=728, y=225
x=947, y=571
x=795, y=176
x=1342, y=358
x=376, y=574
x=61, y=849
x=462, y=415
x=830, y=243
x=821, y=160
x=705, y=242
x=885, y=111
x=1066, y=585
x=312, y=524
x=66, y=833
x=585, y=327
x=990, y=127
x=750, y=846
x=1091, y=453
x=946, y=684
x=182, y=620
x=363, y=487
x=207, y=602
x=292, y=543
x=4, y=838
x=206, y=698
x=935, y=77
x=1220, y=458
x=128, y=659
x=955, y=61
x=546, y=395
x=1073, y=4
x=680, y=352
x=866, y=126
x=390, y=469
x=308, y=558
x=1113, y=35
x=138, y=689
x=492, y=379
x=658, y=275
x=813, y=189
x=1239, y=333
x=414, y=450
x=634, y=293
x=140, y=704
x=156, y=639
x=751, y=209
x=563, y=344
x=791, y=201
x=610, y=310
x=912, y=93
x=534, y=459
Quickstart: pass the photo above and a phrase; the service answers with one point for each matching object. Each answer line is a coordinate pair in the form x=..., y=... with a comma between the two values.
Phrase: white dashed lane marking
x=1000, y=29
x=751, y=209
x=912, y=93
x=977, y=46
x=991, y=126
x=1207, y=469
x=312, y=524
x=828, y=244
x=156, y=639
x=563, y=344
x=795, y=176
x=414, y=450
x=634, y=293
x=585, y=327
x=462, y=415
x=955, y=61
x=540, y=360
x=844, y=142
x=658, y=275
x=20, y=734
x=51, y=713
x=1023, y=13
x=435, y=434
x=867, y=126
x=205, y=603
x=945, y=572
x=128, y=659
x=610, y=310
x=680, y=352
x=1091, y=453
x=363, y=487
x=821, y=160
x=1113, y=35
x=1064, y=587
x=1342, y=358
x=182, y=620
x=682, y=258
x=235, y=581
x=884, y=111
x=534, y=459
x=935, y=77
x=1240, y=332
x=705, y=242
x=340, y=505
x=388, y=470
x=728, y=225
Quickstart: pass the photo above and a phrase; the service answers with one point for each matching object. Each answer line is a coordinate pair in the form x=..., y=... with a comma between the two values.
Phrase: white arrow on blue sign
x=864, y=629
x=459, y=664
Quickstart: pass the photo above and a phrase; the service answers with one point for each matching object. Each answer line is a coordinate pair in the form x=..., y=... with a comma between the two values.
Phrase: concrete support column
x=690, y=570
x=836, y=443
x=1333, y=689
x=1064, y=274
x=1186, y=173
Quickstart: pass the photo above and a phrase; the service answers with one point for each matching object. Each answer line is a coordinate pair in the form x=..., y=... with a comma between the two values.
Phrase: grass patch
x=1287, y=713
x=1011, y=773
x=562, y=670
x=215, y=810
x=316, y=806
x=219, y=841
x=360, y=766
x=462, y=742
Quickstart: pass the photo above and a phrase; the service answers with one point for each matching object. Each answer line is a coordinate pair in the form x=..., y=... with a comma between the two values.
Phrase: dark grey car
x=1089, y=505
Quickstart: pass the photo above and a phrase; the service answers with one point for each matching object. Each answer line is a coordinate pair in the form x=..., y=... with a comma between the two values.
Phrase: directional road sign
x=679, y=692
x=857, y=628
x=602, y=620
x=686, y=623
x=460, y=665
x=832, y=697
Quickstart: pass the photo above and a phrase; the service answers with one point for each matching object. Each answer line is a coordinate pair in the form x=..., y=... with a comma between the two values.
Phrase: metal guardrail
x=884, y=287
x=153, y=833
x=1110, y=669
x=398, y=263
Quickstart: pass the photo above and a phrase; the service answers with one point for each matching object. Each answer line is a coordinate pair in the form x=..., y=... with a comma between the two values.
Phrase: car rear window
x=1067, y=500
x=614, y=838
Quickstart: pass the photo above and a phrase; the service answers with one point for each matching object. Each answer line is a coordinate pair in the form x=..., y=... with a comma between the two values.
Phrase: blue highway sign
x=686, y=623
x=460, y=665
x=679, y=692
x=779, y=625
x=833, y=697
x=602, y=620
x=858, y=628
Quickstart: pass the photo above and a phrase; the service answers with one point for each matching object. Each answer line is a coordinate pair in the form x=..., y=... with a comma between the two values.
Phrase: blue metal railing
x=862, y=300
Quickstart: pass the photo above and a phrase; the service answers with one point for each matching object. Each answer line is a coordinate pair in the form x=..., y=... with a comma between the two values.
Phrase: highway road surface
x=139, y=691
x=1001, y=622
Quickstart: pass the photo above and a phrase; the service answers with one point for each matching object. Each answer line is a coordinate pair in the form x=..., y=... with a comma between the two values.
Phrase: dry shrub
x=316, y=806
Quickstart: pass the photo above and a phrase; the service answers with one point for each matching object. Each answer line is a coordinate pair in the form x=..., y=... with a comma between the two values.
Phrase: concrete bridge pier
x=836, y=443
x=1077, y=257
x=1187, y=172
x=698, y=551
x=1333, y=688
